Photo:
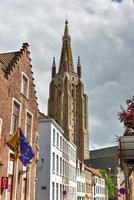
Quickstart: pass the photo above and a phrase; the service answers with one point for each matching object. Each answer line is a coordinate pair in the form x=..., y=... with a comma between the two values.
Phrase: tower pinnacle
x=53, y=67
x=79, y=67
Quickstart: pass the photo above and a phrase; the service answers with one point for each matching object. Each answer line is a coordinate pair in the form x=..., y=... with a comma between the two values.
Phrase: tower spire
x=66, y=52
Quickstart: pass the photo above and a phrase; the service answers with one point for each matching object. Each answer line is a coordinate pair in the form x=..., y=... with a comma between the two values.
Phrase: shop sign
x=4, y=182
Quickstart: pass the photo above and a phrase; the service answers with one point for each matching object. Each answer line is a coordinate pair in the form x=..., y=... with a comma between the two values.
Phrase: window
x=63, y=168
x=57, y=164
x=63, y=149
x=61, y=193
x=53, y=191
x=0, y=126
x=53, y=136
x=15, y=116
x=25, y=85
x=29, y=126
x=53, y=164
x=60, y=166
x=60, y=143
x=57, y=188
x=10, y=177
x=57, y=139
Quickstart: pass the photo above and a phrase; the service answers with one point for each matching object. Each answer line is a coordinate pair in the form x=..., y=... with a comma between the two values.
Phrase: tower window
x=72, y=92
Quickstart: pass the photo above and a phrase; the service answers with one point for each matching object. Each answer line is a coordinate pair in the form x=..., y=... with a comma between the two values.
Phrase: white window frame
x=1, y=123
x=11, y=126
x=54, y=137
x=53, y=162
x=28, y=112
x=24, y=75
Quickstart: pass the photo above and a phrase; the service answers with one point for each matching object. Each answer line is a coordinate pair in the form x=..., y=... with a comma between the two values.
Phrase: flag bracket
x=21, y=172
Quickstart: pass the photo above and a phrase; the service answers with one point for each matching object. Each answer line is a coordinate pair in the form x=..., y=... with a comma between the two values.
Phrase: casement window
x=57, y=164
x=60, y=166
x=53, y=191
x=10, y=177
x=25, y=85
x=57, y=191
x=53, y=163
x=28, y=125
x=15, y=116
x=53, y=136
x=0, y=127
x=60, y=143
x=57, y=139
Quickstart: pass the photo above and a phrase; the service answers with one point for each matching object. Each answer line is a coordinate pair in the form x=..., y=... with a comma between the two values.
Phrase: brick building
x=18, y=108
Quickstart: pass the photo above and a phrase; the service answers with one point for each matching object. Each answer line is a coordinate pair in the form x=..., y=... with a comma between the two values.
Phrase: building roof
x=93, y=171
x=42, y=116
x=8, y=60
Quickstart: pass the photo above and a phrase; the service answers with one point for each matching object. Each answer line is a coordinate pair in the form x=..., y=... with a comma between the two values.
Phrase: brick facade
x=11, y=67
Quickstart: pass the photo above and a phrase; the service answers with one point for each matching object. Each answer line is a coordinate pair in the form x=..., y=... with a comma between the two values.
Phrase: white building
x=81, y=183
x=56, y=169
x=98, y=188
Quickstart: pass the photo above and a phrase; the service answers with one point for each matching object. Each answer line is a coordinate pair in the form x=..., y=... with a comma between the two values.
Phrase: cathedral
x=67, y=103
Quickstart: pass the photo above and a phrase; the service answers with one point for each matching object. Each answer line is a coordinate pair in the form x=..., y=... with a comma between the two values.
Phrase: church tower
x=67, y=103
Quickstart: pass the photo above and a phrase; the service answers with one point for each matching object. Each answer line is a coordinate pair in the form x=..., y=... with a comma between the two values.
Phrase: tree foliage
x=109, y=183
x=111, y=187
x=127, y=116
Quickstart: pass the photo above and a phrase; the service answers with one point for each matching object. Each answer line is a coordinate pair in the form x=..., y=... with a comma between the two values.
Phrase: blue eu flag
x=26, y=151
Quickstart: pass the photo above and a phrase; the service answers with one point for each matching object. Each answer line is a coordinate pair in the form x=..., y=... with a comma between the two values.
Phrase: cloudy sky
x=102, y=33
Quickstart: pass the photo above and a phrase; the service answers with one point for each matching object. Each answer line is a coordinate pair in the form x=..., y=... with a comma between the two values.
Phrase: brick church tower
x=67, y=103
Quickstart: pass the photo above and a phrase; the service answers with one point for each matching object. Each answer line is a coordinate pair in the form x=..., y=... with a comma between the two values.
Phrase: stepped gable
x=9, y=60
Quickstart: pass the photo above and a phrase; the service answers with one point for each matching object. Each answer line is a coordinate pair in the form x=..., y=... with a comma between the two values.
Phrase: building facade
x=104, y=158
x=99, y=188
x=18, y=108
x=67, y=103
x=88, y=180
x=81, y=182
x=56, y=169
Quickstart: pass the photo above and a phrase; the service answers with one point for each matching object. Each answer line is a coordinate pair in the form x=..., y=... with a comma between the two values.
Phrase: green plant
x=111, y=187
x=102, y=172
x=109, y=183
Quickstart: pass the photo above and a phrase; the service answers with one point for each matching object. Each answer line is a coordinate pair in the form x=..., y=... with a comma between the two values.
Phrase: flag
x=20, y=145
x=26, y=151
x=13, y=142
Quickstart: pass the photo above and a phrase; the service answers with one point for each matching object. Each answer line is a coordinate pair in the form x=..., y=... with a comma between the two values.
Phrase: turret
x=53, y=68
x=79, y=67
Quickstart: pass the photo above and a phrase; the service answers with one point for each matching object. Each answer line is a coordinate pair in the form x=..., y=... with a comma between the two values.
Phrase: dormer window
x=25, y=85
